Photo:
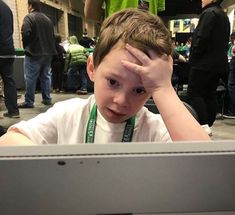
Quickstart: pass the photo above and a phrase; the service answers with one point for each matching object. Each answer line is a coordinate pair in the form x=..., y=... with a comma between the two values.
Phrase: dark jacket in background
x=6, y=30
x=59, y=57
x=38, y=35
x=86, y=42
x=210, y=39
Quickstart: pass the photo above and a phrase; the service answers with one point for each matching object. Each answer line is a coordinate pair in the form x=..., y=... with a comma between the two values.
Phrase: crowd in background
x=50, y=65
x=60, y=66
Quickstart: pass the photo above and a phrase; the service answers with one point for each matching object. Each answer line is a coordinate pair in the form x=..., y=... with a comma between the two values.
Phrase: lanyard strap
x=90, y=130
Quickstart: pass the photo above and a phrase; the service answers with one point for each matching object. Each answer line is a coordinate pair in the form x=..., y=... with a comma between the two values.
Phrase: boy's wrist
x=163, y=94
x=166, y=90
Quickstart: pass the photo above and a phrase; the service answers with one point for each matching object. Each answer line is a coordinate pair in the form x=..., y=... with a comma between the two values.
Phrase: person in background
x=86, y=41
x=39, y=44
x=131, y=62
x=231, y=81
x=93, y=9
x=177, y=58
x=230, y=46
x=57, y=66
x=65, y=44
x=208, y=61
x=188, y=47
x=7, y=56
x=76, y=61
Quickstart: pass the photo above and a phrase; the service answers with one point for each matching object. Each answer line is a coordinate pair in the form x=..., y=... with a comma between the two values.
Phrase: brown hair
x=35, y=4
x=138, y=28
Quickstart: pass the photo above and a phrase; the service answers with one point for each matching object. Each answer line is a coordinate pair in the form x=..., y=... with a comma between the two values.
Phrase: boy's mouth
x=115, y=113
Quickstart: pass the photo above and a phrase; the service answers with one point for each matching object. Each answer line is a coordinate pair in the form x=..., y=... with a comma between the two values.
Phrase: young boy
x=131, y=62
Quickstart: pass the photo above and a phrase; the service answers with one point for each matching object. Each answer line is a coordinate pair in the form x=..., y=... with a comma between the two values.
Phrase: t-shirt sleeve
x=61, y=124
x=41, y=129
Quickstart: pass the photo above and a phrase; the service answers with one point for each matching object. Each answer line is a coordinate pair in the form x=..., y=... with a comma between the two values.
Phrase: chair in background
x=153, y=108
x=180, y=74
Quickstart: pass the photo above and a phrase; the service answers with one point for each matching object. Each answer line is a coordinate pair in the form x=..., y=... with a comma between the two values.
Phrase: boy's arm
x=93, y=9
x=155, y=72
x=14, y=138
x=180, y=123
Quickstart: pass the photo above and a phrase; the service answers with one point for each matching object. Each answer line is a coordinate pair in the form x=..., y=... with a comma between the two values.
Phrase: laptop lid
x=120, y=178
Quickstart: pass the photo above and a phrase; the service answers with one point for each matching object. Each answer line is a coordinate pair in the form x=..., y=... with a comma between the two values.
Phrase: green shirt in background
x=152, y=6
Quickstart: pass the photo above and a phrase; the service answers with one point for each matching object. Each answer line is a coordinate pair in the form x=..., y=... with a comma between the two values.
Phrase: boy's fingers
x=145, y=59
x=132, y=67
x=142, y=57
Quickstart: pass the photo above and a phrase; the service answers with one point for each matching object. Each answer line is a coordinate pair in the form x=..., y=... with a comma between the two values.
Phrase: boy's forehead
x=112, y=65
x=121, y=53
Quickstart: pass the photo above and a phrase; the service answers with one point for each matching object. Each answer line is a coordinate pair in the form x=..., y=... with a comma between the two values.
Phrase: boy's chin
x=115, y=121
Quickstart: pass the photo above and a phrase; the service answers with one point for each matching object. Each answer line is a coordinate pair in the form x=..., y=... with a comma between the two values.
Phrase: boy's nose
x=121, y=98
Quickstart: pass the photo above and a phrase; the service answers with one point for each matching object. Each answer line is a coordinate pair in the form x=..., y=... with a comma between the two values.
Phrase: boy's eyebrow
x=114, y=75
x=117, y=76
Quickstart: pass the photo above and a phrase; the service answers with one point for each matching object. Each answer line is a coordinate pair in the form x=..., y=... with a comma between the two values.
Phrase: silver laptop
x=124, y=178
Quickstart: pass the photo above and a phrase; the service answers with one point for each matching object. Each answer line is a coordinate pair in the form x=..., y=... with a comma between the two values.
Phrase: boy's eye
x=112, y=82
x=139, y=90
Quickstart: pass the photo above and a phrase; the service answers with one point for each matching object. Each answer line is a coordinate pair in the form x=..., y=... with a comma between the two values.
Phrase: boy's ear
x=90, y=67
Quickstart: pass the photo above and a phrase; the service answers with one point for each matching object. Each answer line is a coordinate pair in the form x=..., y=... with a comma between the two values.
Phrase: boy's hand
x=155, y=71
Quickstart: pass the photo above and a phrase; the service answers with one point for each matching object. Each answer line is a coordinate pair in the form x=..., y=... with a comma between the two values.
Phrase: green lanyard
x=90, y=130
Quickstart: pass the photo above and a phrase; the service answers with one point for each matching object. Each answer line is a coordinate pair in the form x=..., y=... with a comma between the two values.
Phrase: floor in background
x=222, y=129
x=29, y=113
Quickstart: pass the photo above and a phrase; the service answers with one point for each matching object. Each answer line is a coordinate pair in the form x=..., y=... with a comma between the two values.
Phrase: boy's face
x=119, y=93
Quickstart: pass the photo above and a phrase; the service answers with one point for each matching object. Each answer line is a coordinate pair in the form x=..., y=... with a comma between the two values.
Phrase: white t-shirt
x=66, y=122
